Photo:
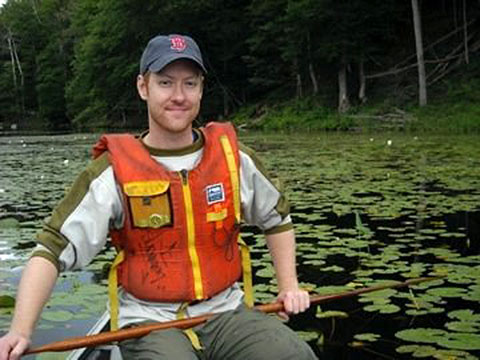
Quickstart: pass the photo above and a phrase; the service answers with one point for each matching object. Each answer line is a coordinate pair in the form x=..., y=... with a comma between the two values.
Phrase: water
x=364, y=211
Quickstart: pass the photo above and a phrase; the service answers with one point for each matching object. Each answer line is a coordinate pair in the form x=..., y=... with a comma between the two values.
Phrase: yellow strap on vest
x=247, y=273
x=192, y=335
x=192, y=250
x=112, y=290
x=235, y=180
x=234, y=176
x=217, y=216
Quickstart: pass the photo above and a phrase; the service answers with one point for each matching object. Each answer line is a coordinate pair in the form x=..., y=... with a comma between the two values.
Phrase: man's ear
x=142, y=87
x=202, y=79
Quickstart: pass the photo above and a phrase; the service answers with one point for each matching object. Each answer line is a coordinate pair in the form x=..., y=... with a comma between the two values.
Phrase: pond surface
x=367, y=209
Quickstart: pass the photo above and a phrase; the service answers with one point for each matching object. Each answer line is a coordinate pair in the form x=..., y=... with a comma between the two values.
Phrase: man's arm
x=282, y=249
x=36, y=284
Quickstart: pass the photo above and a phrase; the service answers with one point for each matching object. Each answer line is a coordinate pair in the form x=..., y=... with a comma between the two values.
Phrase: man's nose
x=178, y=92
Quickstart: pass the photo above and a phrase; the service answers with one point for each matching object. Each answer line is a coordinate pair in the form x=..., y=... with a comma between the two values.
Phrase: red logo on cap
x=178, y=43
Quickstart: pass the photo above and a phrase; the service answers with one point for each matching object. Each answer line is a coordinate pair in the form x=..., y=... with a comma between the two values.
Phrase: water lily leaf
x=424, y=351
x=52, y=356
x=9, y=223
x=405, y=349
x=60, y=315
x=461, y=341
x=265, y=273
x=428, y=284
x=385, y=293
x=7, y=301
x=449, y=292
x=453, y=235
x=333, y=268
x=422, y=335
x=373, y=300
x=416, y=312
x=464, y=315
x=473, y=295
x=453, y=355
x=330, y=290
x=314, y=262
x=308, y=335
x=382, y=308
x=463, y=326
x=331, y=314
x=371, y=337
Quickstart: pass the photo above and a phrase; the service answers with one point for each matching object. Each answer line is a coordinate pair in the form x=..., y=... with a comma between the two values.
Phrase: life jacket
x=180, y=232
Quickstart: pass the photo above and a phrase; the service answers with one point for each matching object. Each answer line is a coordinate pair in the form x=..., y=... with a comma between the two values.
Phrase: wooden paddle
x=124, y=334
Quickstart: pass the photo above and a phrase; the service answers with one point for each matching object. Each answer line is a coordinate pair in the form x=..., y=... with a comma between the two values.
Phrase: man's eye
x=164, y=82
x=191, y=83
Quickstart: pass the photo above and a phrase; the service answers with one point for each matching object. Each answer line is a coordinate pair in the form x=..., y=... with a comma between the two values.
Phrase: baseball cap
x=164, y=49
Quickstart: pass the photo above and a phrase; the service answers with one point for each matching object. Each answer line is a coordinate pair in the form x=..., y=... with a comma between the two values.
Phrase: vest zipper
x=192, y=250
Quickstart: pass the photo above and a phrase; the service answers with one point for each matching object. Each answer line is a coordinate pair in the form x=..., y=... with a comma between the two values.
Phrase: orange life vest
x=180, y=230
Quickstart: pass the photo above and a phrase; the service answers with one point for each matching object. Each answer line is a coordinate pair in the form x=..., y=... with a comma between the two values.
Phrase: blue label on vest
x=215, y=194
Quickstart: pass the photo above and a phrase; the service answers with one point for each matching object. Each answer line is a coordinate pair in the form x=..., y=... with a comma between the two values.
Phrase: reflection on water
x=366, y=209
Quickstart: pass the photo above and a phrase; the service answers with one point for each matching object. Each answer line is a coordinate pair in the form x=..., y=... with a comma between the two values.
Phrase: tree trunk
x=422, y=87
x=455, y=21
x=311, y=70
x=361, y=91
x=465, y=32
x=12, y=58
x=313, y=77
x=299, y=92
x=298, y=80
x=343, y=103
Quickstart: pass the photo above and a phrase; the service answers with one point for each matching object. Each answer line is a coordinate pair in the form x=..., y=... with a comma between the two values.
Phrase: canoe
x=104, y=352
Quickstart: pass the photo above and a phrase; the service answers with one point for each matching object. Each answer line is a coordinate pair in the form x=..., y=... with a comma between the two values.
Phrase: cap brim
x=159, y=64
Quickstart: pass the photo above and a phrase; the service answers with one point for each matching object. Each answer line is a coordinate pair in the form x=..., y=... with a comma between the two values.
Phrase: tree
x=422, y=83
x=20, y=28
x=52, y=62
x=101, y=90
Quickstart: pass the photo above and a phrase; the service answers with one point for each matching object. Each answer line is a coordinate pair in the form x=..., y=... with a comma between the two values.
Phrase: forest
x=272, y=64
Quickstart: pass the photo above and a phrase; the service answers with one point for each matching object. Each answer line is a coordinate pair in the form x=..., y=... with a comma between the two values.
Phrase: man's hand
x=13, y=345
x=294, y=301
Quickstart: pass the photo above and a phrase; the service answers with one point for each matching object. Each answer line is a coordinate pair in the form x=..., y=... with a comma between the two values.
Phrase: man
x=172, y=201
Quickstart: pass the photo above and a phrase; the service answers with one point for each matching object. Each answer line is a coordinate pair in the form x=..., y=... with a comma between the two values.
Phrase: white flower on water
x=66, y=161
x=371, y=139
x=2, y=191
x=389, y=142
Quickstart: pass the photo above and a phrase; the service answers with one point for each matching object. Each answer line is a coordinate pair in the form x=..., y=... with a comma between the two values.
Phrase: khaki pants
x=242, y=334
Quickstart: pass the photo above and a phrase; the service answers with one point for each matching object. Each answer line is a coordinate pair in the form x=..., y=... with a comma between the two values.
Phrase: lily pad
x=461, y=341
x=371, y=337
x=448, y=292
x=464, y=315
x=422, y=335
x=331, y=314
x=382, y=308
x=9, y=223
x=463, y=326
x=60, y=315
x=7, y=301
x=308, y=335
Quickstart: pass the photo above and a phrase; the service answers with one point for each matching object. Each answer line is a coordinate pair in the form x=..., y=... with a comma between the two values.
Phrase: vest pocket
x=149, y=203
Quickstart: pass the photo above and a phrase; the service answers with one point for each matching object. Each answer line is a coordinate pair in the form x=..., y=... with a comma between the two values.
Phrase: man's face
x=173, y=96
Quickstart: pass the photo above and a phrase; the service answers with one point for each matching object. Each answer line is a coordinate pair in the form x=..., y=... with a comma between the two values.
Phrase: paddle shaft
x=139, y=331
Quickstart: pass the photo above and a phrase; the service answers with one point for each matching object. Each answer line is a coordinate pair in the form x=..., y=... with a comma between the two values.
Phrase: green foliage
x=303, y=113
x=269, y=62
x=7, y=301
